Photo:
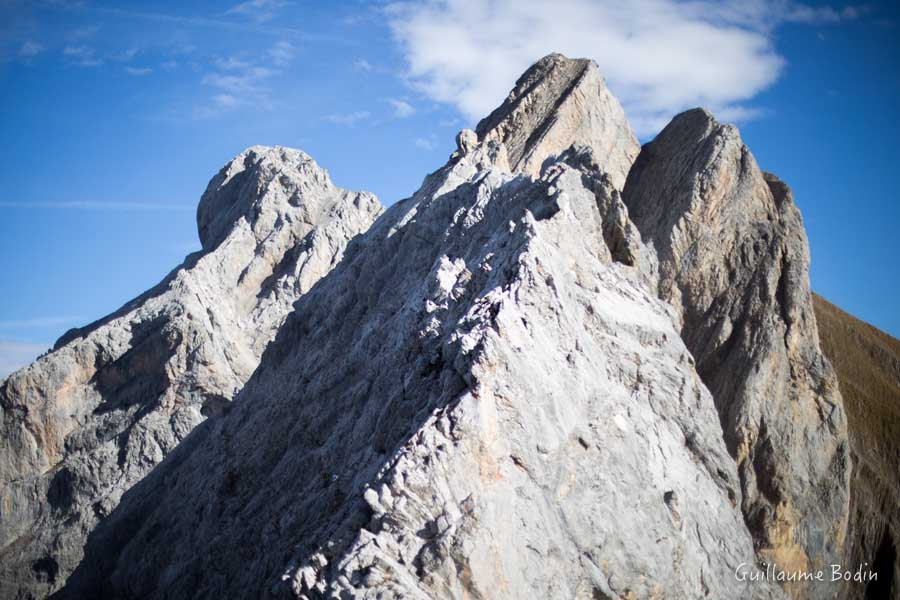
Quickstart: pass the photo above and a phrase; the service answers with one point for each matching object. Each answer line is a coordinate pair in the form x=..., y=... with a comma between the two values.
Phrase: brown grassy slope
x=867, y=362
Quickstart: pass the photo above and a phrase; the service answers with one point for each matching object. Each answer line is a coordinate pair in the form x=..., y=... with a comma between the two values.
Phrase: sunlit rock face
x=566, y=367
x=734, y=264
x=82, y=424
x=558, y=103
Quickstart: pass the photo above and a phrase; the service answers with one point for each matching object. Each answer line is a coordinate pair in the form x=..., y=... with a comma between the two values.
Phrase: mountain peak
x=273, y=175
x=559, y=102
x=85, y=422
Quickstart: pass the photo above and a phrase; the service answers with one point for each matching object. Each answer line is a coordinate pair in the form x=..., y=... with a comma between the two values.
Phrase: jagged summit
x=557, y=103
x=85, y=422
x=248, y=187
x=554, y=371
x=471, y=404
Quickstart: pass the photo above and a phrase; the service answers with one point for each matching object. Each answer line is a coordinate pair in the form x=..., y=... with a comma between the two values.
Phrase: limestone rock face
x=81, y=425
x=532, y=378
x=558, y=103
x=485, y=398
x=733, y=262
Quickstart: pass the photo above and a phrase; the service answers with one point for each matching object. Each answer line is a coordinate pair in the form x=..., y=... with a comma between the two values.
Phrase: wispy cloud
x=659, y=56
x=238, y=83
x=257, y=10
x=30, y=48
x=347, y=119
x=248, y=25
x=282, y=53
x=40, y=322
x=361, y=64
x=402, y=108
x=232, y=63
x=15, y=355
x=89, y=205
x=83, y=56
x=88, y=31
x=138, y=71
x=126, y=56
x=766, y=15
x=243, y=80
x=426, y=143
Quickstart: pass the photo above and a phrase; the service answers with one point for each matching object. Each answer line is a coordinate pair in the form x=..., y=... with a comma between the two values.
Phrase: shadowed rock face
x=867, y=362
x=523, y=381
x=485, y=398
x=733, y=262
x=84, y=423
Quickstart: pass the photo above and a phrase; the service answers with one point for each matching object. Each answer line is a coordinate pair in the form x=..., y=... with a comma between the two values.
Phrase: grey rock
x=485, y=398
x=523, y=381
x=81, y=425
x=734, y=263
x=558, y=103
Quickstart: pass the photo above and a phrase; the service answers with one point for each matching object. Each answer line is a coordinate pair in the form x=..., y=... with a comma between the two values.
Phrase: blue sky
x=114, y=116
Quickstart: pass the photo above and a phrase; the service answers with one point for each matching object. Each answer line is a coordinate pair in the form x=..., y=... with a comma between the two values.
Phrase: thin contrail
x=90, y=205
x=40, y=322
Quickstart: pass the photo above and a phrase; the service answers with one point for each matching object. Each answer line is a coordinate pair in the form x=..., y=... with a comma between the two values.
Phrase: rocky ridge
x=484, y=392
x=557, y=103
x=532, y=377
x=82, y=424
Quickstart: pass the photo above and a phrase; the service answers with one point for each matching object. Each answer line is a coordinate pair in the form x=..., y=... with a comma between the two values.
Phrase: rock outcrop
x=867, y=362
x=734, y=262
x=485, y=398
x=558, y=103
x=84, y=423
x=549, y=373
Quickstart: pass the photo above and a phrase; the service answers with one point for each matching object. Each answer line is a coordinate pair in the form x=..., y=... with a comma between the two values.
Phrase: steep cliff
x=566, y=367
x=84, y=423
x=734, y=263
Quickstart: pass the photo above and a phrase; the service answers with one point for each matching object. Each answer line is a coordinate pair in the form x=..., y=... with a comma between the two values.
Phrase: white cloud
x=82, y=56
x=426, y=143
x=232, y=63
x=225, y=101
x=239, y=82
x=282, y=54
x=347, y=119
x=15, y=355
x=659, y=56
x=257, y=10
x=402, y=108
x=168, y=65
x=127, y=55
x=361, y=64
x=138, y=71
x=246, y=81
x=30, y=48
